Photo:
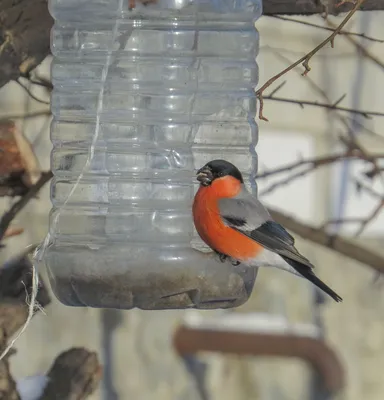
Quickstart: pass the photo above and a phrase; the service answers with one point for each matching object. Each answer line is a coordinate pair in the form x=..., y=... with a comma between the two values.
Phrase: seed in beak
x=204, y=176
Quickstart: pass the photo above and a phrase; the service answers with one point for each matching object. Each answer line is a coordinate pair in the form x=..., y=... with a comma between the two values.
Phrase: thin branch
x=285, y=181
x=361, y=126
x=367, y=188
x=361, y=48
x=363, y=221
x=375, y=212
x=20, y=204
x=353, y=147
x=36, y=114
x=39, y=81
x=348, y=248
x=305, y=59
x=313, y=162
x=316, y=162
x=345, y=33
x=311, y=82
x=354, y=151
x=31, y=94
x=43, y=83
x=277, y=89
x=371, y=173
x=352, y=143
x=366, y=221
x=344, y=119
x=302, y=103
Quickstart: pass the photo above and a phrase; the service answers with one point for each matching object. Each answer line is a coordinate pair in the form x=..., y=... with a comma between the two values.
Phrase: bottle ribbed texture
x=178, y=92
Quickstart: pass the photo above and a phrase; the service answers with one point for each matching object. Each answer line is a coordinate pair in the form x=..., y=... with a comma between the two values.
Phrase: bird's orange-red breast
x=210, y=225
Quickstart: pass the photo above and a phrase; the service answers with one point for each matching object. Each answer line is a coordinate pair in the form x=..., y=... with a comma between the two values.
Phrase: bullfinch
x=236, y=225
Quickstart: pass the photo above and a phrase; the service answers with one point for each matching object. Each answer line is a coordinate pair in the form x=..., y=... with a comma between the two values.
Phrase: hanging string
x=40, y=251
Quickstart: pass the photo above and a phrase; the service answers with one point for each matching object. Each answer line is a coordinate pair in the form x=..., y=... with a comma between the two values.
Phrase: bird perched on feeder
x=235, y=224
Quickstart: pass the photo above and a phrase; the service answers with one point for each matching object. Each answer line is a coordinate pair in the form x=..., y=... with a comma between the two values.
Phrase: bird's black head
x=217, y=169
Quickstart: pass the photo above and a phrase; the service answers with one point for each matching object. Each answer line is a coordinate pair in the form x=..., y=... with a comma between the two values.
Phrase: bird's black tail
x=307, y=273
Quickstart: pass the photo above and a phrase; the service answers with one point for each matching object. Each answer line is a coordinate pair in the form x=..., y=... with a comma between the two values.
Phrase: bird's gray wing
x=246, y=214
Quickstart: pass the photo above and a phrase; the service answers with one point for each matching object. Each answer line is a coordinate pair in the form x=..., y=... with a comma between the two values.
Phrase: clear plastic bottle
x=141, y=99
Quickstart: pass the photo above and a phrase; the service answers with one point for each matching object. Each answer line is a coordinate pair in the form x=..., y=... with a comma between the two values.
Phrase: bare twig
x=31, y=94
x=344, y=119
x=361, y=48
x=285, y=181
x=305, y=59
x=44, y=83
x=36, y=114
x=342, y=32
x=371, y=173
x=351, y=143
x=334, y=106
x=367, y=188
x=363, y=221
x=366, y=221
x=313, y=162
x=277, y=89
x=39, y=81
x=20, y=204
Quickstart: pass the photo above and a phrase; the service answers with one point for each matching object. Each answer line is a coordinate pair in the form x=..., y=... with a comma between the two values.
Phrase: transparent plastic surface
x=177, y=84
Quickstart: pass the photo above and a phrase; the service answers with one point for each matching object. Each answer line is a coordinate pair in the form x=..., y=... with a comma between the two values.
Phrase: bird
x=236, y=225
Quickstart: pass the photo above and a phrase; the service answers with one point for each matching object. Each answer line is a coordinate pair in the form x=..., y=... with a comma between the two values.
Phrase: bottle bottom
x=146, y=279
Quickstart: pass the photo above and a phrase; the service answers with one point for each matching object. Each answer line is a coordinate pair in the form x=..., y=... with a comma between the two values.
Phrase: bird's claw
x=223, y=258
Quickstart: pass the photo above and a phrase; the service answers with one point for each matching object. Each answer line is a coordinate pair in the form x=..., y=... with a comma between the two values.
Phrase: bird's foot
x=224, y=257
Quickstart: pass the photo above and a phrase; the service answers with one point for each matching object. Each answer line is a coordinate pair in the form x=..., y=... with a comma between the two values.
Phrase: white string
x=91, y=153
x=31, y=310
x=40, y=251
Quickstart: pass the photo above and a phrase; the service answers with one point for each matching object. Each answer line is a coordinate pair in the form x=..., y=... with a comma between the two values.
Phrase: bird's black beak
x=204, y=176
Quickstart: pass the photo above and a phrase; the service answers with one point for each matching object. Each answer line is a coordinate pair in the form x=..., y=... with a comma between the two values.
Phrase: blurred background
x=137, y=348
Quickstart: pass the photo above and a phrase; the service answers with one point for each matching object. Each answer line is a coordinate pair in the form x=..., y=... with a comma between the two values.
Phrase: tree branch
x=311, y=162
x=30, y=94
x=362, y=49
x=25, y=29
x=305, y=59
x=353, y=151
x=36, y=114
x=332, y=29
x=309, y=7
x=20, y=204
x=348, y=248
x=302, y=103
